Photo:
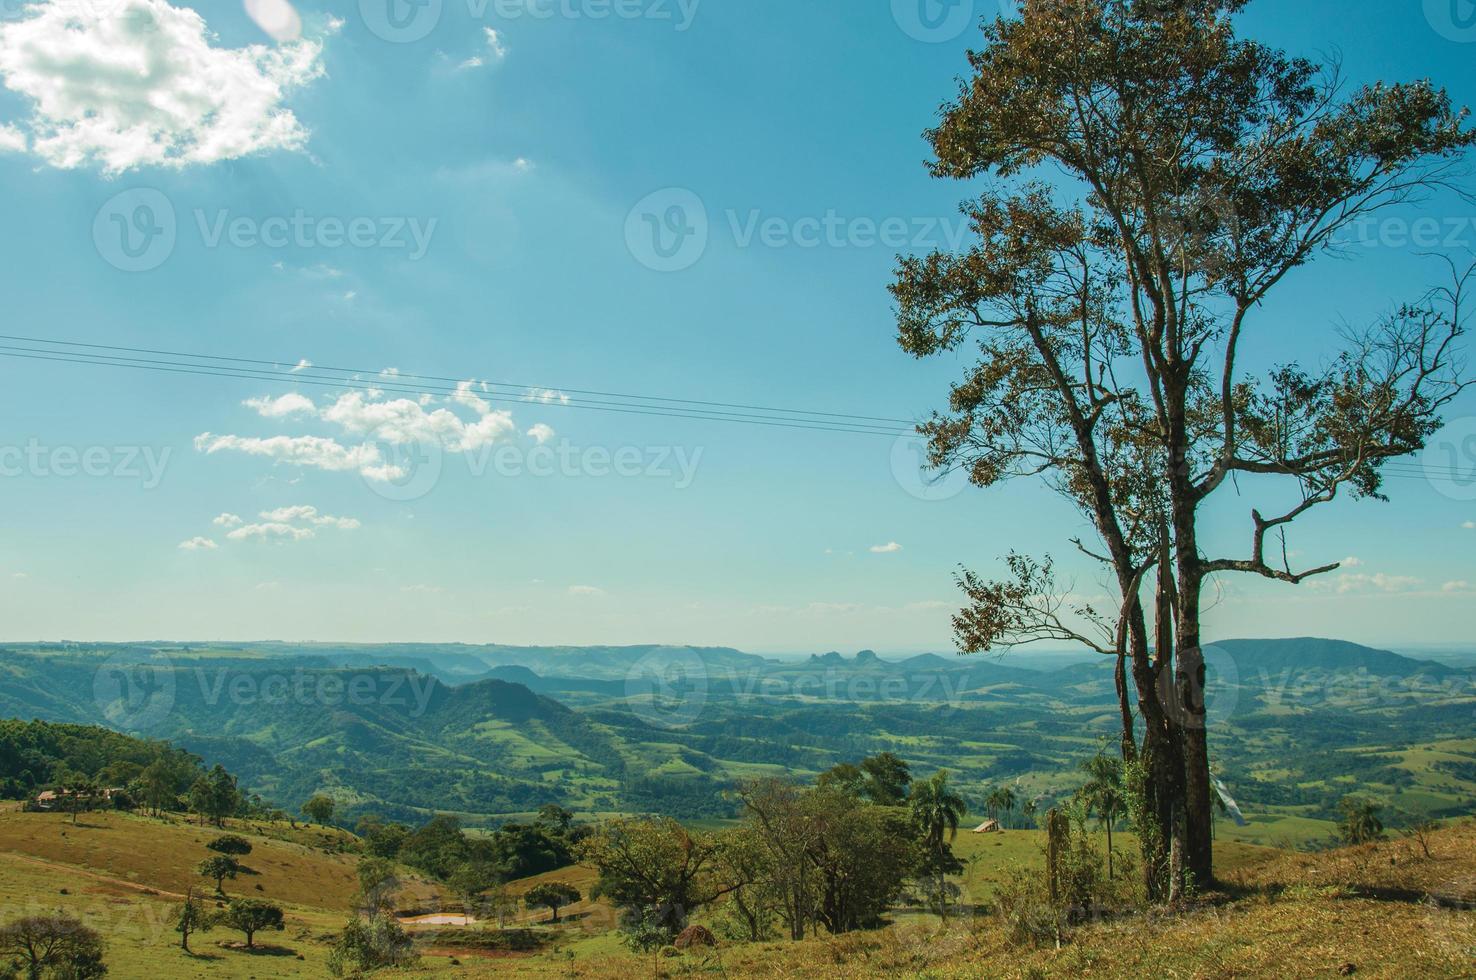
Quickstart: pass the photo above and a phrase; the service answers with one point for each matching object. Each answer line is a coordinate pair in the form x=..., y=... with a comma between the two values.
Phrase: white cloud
x=12, y=140
x=1460, y=585
x=271, y=530
x=282, y=407
x=401, y=421
x=547, y=396
x=1360, y=582
x=1352, y=561
x=422, y=589
x=20, y=575
x=309, y=515
x=928, y=605
x=228, y=520
x=198, y=544
x=890, y=548
x=277, y=18
x=1469, y=525
x=302, y=365
x=495, y=51
x=585, y=590
x=315, y=452
x=138, y=83
x=541, y=434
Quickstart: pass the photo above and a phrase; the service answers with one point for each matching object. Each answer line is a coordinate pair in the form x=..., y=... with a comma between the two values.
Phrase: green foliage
x=219, y=868
x=654, y=868
x=214, y=796
x=53, y=945
x=552, y=896
x=887, y=779
x=252, y=915
x=231, y=844
x=190, y=918
x=366, y=945
x=378, y=883
x=319, y=809
x=936, y=812
x=1360, y=823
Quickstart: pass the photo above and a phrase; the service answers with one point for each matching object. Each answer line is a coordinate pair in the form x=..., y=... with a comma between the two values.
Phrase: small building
x=989, y=827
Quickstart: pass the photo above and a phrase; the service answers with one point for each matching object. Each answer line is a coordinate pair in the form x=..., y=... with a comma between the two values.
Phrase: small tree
x=471, y=881
x=1102, y=794
x=56, y=943
x=378, y=883
x=220, y=867
x=230, y=844
x=1360, y=823
x=319, y=809
x=190, y=918
x=936, y=811
x=1420, y=830
x=552, y=896
x=252, y=915
x=371, y=944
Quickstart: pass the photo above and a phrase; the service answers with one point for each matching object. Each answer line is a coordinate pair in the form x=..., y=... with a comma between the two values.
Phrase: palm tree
x=936, y=811
x=1102, y=794
x=1360, y=823
x=1007, y=802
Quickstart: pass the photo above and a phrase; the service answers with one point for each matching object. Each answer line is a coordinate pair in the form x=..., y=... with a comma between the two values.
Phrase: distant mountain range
x=492, y=731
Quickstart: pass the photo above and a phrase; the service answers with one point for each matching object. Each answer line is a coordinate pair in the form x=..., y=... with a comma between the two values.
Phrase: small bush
x=371, y=944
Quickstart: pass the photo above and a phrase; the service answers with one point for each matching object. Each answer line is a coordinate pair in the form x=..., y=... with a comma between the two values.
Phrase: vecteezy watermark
x=1449, y=459
x=411, y=470
x=134, y=693
x=145, y=464
x=138, y=230
x=137, y=692
x=407, y=21
x=670, y=230
x=667, y=687
x=135, y=231
x=1454, y=20
x=1453, y=232
x=937, y=21
x=918, y=477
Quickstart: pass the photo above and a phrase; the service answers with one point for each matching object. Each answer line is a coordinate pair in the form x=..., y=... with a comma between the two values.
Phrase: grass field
x=1282, y=913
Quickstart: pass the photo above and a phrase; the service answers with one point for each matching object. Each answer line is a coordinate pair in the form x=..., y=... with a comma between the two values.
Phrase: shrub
x=371, y=944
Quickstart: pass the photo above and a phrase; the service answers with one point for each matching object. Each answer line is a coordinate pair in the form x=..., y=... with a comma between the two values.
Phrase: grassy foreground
x=1383, y=910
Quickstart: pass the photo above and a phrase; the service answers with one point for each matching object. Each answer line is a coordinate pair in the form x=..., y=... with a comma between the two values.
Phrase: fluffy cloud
x=1460, y=585
x=316, y=452
x=282, y=407
x=296, y=523
x=379, y=425
x=890, y=548
x=310, y=515
x=1469, y=525
x=585, y=590
x=12, y=140
x=198, y=544
x=138, y=83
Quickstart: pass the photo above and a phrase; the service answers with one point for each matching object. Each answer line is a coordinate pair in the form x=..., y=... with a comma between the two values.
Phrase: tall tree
x=1112, y=311
x=937, y=811
x=1102, y=794
x=54, y=944
x=252, y=915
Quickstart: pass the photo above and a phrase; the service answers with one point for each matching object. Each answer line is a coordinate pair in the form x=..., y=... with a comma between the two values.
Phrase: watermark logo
x=668, y=231
x=1449, y=459
x=411, y=470
x=135, y=231
x=146, y=464
x=401, y=21
x=934, y=21
x=1219, y=697
x=134, y=693
x=918, y=477
x=667, y=687
x=1454, y=20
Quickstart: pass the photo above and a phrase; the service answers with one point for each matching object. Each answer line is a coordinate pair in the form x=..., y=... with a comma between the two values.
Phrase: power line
x=276, y=364
x=66, y=357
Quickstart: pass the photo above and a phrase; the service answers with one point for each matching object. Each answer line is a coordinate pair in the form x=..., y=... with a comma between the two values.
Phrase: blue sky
x=498, y=162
